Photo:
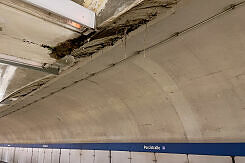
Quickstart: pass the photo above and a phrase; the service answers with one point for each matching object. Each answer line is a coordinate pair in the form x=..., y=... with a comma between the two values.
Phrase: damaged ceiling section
x=110, y=32
x=115, y=20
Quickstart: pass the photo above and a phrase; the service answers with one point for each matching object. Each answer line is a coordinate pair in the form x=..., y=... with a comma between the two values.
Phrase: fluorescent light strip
x=67, y=9
x=21, y=62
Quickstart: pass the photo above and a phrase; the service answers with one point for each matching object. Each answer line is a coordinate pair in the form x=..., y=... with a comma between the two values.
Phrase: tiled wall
x=42, y=155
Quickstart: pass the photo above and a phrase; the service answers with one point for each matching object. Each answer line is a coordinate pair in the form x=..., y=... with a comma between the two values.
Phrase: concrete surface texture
x=7, y=73
x=30, y=33
x=23, y=34
x=13, y=78
x=187, y=90
x=26, y=30
x=40, y=155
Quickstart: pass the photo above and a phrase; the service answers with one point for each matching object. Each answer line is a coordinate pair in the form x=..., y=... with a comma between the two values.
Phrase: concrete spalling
x=34, y=38
x=115, y=20
x=109, y=33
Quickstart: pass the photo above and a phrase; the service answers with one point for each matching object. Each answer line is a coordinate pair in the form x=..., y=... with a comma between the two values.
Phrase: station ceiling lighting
x=68, y=9
x=21, y=62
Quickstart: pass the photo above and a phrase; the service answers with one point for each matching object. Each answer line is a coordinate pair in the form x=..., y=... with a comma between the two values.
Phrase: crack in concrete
x=29, y=42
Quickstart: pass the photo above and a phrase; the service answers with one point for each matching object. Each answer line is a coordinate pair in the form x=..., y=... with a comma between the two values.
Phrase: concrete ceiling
x=23, y=34
x=190, y=89
x=13, y=78
x=27, y=32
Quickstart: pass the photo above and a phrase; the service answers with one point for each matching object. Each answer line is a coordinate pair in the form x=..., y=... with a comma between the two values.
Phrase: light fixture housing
x=68, y=9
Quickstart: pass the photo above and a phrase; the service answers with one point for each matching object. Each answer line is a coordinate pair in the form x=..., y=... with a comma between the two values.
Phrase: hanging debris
x=110, y=33
x=106, y=35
